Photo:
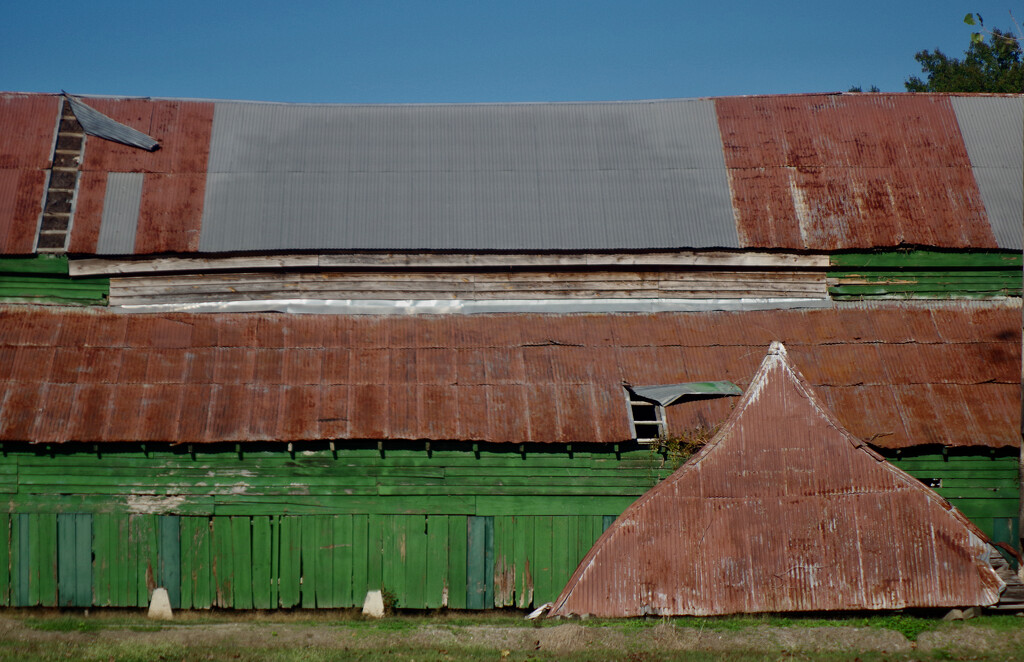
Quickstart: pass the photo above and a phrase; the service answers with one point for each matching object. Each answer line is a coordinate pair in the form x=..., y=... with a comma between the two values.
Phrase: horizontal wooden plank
x=38, y=264
x=523, y=490
x=579, y=505
x=382, y=260
x=438, y=285
x=381, y=505
x=926, y=258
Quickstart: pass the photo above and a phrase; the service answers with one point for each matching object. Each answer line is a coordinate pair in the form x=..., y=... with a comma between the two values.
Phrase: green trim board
x=923, y=274
x=45, y=279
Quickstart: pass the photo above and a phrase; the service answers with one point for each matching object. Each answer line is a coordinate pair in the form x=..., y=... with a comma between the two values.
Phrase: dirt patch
x=513, y=638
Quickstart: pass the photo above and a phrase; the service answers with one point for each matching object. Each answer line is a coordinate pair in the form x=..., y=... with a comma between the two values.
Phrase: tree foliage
x=989, y=65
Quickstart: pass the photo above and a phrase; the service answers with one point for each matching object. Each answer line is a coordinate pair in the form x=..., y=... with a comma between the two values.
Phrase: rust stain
x=170, y=214
x=948, y=374
x=783, y=510
x=831, y=172
x=21, y=202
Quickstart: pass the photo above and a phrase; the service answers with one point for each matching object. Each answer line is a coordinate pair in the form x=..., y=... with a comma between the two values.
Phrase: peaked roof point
x=783, y=510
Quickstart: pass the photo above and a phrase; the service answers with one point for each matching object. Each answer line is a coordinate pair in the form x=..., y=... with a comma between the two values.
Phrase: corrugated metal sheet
x=832, y=172
x=502, y=378
x=171, y=207
x=24, y=157
x=97, y=124
x=506, y=176
x=120, y=213
x=783, y=510
x=818, y=172
x=993, y=131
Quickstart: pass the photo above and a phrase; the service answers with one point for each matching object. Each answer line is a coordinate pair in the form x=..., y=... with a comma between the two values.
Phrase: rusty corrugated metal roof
x=831, y=172
x=174, y=181
x=783, y=510
x=889, y=372
x=815, y=172
x=29, y=124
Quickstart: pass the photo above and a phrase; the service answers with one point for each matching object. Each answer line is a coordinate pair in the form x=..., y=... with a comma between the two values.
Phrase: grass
x=105, y=635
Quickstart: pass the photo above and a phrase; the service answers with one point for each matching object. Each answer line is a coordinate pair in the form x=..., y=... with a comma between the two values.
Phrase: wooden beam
x=383, y=260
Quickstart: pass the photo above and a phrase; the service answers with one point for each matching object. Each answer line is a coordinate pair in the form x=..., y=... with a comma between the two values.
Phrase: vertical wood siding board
x=503, y=578
x=5, y=559
x=149, y=564
x=290, y=572
x=457, y=561
x=204, y=593
x=360, y=552
x=324, y=589
x=519, y=557
x=241, y=562
x=169, y=557
x=48, y=568
x=261, y=562
x=488, y=562
x=186, y=552
x=561, y=538
x=437, y=561
x=34, y=559
x=66, y=559
x=573, y=554
x=416, y=561
x=275, y=561
x=100, y=583
x=342, y=558
x=128, y=560
x=374, y=560
x=529, y=565
x=83, y=559
x=308, y=560
x=475, y=552
x=118, y=559
x=19, y=560
x=221, y=561
x=543, y=549
x=397, y=558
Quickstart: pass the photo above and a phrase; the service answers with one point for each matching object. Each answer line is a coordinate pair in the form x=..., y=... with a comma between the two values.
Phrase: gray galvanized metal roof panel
x=97, y=124
x=993, y=131
x=476, y=177
x=121, y=204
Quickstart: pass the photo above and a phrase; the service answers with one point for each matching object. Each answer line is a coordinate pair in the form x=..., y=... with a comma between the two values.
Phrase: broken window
x=647, y=404
x=647, y=419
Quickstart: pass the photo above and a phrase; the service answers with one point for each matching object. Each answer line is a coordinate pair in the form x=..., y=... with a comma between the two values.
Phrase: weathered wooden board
x=251, y=286
x=447, y=260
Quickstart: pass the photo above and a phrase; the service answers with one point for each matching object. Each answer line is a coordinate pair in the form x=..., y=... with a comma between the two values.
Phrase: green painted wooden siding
x=45, y=279
x=982, y=485
x=88, y=548
x=924, y=275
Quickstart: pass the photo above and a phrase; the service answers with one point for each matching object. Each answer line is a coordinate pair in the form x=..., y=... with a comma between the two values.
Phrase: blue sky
x=382, y=51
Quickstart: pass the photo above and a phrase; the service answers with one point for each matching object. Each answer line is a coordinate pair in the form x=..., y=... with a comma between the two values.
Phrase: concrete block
x=373, y=605
x=972, y=612
x=160, y=605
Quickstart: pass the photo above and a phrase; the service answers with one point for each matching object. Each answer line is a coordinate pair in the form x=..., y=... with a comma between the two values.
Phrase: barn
x=275, y=355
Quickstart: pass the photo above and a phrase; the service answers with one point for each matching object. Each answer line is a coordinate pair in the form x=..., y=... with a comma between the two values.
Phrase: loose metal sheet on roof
x=666, y=394
x=97, y=124
x=783, y=510
x=570, y=176
x=898, y=375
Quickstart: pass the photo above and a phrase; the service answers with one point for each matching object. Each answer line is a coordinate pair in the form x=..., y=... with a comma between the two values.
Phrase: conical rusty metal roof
x=783, y=510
